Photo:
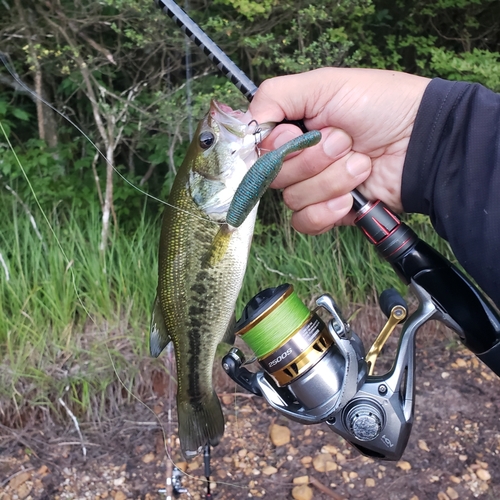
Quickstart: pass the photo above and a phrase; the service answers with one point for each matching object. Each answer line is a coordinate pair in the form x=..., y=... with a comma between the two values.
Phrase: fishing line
x=3, y=59
x=25, y=175
x=10, y=69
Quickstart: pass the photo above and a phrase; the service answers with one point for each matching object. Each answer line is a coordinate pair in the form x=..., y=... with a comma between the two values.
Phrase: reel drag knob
x=364, y=421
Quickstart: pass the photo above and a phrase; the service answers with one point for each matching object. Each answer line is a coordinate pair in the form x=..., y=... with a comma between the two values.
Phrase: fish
x=201, y=265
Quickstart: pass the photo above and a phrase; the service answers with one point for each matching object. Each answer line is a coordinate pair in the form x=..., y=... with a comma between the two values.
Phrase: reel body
x=317, y=372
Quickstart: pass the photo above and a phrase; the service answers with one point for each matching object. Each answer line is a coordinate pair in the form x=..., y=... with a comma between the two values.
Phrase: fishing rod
x=312, y=371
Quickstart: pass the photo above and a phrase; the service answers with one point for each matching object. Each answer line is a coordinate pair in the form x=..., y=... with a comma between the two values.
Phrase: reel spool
x=284, y=335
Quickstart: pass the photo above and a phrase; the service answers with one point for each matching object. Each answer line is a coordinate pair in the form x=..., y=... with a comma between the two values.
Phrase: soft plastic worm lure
x=263, y=172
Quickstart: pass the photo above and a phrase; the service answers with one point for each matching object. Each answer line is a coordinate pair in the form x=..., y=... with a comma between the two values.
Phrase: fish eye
x=206, y=139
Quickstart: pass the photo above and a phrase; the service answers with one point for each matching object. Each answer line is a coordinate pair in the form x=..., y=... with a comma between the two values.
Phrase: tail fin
x=200, y=423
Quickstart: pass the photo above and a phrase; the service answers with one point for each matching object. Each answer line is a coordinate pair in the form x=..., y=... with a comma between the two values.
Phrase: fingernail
x=357, y=164
x=336, y=143
x=284, y=137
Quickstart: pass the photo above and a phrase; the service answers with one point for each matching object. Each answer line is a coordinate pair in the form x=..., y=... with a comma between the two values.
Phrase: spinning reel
x=313, y=371
x=320, y=372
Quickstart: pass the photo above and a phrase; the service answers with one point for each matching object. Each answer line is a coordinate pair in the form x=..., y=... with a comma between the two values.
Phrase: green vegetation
x=76, y=287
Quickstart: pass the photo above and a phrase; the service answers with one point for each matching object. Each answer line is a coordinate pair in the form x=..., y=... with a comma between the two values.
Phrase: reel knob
x=364, y=421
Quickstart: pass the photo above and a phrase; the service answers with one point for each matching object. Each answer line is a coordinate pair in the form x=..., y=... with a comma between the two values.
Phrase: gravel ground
x=453, y=452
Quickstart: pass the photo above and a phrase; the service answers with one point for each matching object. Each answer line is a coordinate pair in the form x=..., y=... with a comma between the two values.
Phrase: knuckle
x=313, y=219
x=290, y=200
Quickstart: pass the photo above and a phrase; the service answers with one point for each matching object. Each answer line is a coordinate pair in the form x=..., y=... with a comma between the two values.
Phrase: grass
x=72, y=321
x=67, y=314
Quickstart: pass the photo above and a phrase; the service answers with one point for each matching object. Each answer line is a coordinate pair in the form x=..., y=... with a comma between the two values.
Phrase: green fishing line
x=269, y=333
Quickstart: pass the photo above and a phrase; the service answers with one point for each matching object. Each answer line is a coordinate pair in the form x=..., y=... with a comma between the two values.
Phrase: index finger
x=294, y=97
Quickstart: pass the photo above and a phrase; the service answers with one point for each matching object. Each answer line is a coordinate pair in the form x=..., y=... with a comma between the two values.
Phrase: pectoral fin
x=158, y=335
x=219, y=246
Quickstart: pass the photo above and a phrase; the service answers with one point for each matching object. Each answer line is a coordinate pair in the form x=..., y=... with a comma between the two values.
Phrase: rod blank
x=209, y=48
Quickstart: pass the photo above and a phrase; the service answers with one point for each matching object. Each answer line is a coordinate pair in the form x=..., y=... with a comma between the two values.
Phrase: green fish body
x=202, y=263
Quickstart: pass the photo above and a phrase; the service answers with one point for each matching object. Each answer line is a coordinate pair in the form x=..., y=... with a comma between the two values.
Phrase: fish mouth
x=239, y=123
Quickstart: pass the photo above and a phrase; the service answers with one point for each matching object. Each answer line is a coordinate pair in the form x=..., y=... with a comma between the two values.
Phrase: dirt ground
x=453, y=452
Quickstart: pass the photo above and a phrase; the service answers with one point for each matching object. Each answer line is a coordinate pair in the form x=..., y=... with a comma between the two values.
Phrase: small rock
x=227, y=400
x=16, y=481
x=279, y=434
x=404, y=465
x=120, y=496
x=455, y=479
x=462, y=458
x=353, y=475
x=445, y=375
x=370, y=482
x=414, y=497
x=183, y=465
x=324, y=463
x=23, y=490
x=269, y=470
x=306, y=460
x=301, y=480
x=483, y=474
x=452, y=493
x=191, y=466
x=302, y=492
x=221, y=473
x=423, y=445
x=119, y=481
x=442, y=496
x=148, y=458
x=461, y=362
x=43, y=470
x=328, y=448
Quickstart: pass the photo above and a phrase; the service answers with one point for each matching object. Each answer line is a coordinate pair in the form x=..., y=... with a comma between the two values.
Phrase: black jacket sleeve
x=452, y=174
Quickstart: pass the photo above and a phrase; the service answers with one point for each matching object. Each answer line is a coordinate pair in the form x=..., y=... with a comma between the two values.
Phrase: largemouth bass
x=202, y=263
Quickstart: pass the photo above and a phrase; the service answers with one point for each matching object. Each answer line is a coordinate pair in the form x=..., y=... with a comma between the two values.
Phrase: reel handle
x=389, y=299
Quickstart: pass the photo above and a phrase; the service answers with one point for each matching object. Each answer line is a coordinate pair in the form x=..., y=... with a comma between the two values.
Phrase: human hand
x=365, y=116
